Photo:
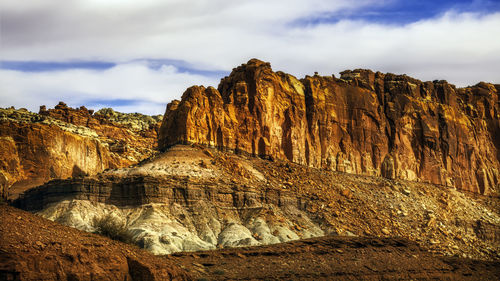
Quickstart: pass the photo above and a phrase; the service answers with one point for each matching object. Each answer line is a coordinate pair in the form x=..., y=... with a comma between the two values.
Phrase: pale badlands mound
x=195, y=198
x=33, y=248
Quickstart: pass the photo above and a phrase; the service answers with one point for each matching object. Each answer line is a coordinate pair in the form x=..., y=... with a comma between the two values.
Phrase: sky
x=136, y=56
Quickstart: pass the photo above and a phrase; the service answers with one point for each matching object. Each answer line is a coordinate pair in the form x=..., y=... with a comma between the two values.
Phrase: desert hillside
x=33, y=248
x=195, y=198
x=382, y=167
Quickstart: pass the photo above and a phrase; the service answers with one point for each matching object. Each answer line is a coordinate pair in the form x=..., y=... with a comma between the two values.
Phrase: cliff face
x=363, y=123
x=37, y=153
x=65, y=142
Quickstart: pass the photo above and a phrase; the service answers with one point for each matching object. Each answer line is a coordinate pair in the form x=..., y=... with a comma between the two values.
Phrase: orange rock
x=347, y=193
x=364, y=123
x=65, y=142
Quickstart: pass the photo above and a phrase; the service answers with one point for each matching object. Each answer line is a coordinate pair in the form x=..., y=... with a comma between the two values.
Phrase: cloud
x=457, y=47
x=202, y=38
x=132, y=87
x=197, y=31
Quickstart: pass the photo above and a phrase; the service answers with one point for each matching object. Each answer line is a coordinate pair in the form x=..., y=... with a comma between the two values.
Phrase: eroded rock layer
x=195, y=198
x=65, y=142
x=363, y=123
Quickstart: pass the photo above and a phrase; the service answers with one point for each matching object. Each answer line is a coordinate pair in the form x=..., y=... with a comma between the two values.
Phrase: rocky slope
x=194, y=198
x=65, y=142
x=333, y=258
x=324, y=143
x=33, y=248
x=364, y=123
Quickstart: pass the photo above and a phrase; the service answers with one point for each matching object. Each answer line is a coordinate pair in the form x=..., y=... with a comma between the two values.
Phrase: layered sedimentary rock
x=363, y=123
x=179, y=202
x=65, y=142
x=195, y=198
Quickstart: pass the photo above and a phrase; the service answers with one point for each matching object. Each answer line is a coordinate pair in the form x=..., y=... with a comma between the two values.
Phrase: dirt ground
x=33, y=248
x=333, y=258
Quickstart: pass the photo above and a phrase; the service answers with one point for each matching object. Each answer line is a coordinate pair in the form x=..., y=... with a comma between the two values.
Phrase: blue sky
x=38, y=66
x=139, y=55
x=406, y=12
x=41, y=66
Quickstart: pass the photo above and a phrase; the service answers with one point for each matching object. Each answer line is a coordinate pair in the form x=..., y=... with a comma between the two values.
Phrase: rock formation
x=179, y=202
x=194, y=198
x=65, y=142
x=363, y=123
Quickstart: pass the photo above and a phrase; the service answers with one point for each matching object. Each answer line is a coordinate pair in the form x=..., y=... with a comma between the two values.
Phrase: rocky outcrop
x=179, y=209
x=65, y=142
x=137, y=122
x=194, y=198
x=363, y=123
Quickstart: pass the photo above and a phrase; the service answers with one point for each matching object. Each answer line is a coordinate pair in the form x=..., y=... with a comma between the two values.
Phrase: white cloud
x=457, y=47
x=148, y=90
x=198, y=31
x=221, y=34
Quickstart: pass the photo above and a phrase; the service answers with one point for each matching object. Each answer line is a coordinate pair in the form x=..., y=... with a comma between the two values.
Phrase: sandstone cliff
x=65, y=142
x=363, y=123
